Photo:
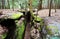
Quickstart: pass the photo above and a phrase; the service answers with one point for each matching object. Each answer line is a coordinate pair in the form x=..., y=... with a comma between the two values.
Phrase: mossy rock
x=20, y=30
x=49, y=29
x=38, y=19
x=16, y=15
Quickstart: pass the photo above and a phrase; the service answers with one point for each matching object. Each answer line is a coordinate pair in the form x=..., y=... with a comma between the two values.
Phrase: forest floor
x=54, y=15
x=45, y=12
x=41, y=13
x=53, y=20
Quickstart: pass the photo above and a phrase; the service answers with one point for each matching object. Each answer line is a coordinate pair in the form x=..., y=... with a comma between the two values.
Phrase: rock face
x=35, y=32
x=10, y=25
x=53, y=26
x=2, y=30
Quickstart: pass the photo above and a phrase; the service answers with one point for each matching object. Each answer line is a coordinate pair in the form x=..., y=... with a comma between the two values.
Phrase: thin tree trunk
x=0, y=4
x=13, y=5
x=55, y=5
x=30, y=5
x=40, y=5
x=8, y=4
x=48, y=3
x=3, y=4
x=50, y=8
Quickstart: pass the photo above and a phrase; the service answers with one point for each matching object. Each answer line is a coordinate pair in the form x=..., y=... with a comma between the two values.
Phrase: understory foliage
x=6, y=4
x=20, y=30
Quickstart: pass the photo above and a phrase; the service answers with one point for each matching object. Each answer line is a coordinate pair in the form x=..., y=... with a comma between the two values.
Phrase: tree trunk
x=40, y=5
x=28, y=20
x=0, y=4
x=13, y=5
x=55, y=5
x=50, y=8
x=48, y=3
x=3, y=4
x=8, y=4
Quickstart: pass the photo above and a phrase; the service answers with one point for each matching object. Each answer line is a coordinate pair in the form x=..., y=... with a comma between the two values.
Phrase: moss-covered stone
x=38, y=19
x=16, y=15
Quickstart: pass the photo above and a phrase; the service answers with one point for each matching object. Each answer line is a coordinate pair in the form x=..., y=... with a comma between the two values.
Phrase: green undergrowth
x=20, y=30
x=4, y=35
x=40, y=21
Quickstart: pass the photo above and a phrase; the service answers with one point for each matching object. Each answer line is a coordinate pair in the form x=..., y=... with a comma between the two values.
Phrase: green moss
x=4, y=35
x=20, y=30
x=49, y=29
x=37, y=18
x=16, y=15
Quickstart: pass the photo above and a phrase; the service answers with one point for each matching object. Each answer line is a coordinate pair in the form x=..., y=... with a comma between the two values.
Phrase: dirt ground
x=45, y=12
x=41, y=13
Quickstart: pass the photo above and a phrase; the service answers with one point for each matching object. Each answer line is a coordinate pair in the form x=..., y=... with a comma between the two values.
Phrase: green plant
x=20, y=30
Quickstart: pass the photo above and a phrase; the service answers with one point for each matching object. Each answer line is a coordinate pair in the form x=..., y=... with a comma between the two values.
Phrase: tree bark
x=50, y=8
x=3, y=4
x=55, y=5
x=8, y=4
x=13, y=5
x=40, y=5
x=48, y=3
x=28, y=20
